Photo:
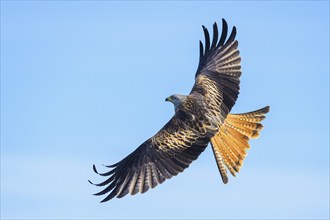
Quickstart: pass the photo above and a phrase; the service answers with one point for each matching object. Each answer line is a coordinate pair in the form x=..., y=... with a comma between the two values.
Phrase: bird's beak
x=168, y=99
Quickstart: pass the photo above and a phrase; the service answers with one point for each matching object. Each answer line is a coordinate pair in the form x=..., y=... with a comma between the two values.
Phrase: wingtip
x=223, y=33
x=110, y=166
x=224, y=22
x=109, y=197
x=232, y=36
x=103, y=201
x=94, y=169
x=98, y=194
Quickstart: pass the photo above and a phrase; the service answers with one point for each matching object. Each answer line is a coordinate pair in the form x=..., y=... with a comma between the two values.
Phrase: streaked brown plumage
x=200, y=118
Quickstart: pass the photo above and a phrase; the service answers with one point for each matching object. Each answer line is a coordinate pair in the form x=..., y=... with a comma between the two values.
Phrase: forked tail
x=230, y=143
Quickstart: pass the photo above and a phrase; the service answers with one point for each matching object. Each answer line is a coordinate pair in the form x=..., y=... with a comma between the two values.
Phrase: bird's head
x=176, y=100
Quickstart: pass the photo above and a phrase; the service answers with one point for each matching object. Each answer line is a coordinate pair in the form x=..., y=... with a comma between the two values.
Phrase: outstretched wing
x=218, y=72
x=164, y=155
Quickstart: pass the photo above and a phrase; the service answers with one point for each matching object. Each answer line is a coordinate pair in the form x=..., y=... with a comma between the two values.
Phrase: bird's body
x=200, y=118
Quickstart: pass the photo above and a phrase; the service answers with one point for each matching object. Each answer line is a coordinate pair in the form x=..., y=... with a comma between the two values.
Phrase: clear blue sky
x=85, y=82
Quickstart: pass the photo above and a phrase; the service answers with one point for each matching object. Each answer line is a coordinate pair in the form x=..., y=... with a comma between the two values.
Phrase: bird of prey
x=200, y=118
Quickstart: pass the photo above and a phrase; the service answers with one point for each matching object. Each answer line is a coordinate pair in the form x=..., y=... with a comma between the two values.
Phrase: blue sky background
x=85, y=82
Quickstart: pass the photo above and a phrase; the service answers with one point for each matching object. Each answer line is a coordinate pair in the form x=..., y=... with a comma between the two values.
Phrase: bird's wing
x=218, y=72
x=164, y=155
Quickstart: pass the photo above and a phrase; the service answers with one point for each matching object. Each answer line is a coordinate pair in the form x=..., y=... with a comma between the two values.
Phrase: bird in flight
x=200, y=118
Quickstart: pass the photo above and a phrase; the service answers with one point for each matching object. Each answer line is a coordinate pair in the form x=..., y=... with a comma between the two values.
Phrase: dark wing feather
x=215, y=35
x=224, y=33
x=218, y=72
x=207, y=39
x=161, y=157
